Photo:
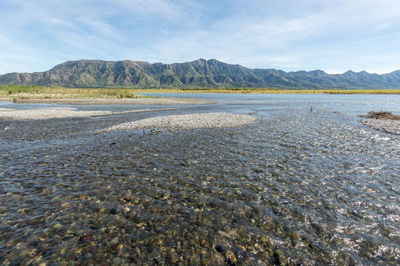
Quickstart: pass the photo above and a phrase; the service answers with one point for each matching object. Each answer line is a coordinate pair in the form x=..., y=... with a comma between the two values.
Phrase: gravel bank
x=188, y=121
x=49, y=113
x=139, y=101
x=387, y=125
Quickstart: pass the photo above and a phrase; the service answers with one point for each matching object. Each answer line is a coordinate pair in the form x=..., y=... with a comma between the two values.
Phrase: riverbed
x=306, y=183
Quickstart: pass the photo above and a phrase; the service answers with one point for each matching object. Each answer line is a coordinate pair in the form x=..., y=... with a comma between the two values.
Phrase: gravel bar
x=136, y=101
x=387, y=125
x=60, y=112
x=188, y=121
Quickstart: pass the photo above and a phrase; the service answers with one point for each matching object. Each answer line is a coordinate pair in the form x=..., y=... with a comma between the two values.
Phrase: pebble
x=387, y=125
x=173, y=256
x=230, y=257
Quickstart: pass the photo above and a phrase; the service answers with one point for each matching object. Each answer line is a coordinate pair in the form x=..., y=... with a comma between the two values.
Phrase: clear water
x=295, y=187
x=353, y=103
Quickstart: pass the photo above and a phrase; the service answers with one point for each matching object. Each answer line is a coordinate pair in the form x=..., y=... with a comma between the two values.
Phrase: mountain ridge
x=200, y=73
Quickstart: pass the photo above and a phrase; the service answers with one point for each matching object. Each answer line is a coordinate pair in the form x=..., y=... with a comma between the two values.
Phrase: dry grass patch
x=383, y=115
x=38, y=92
x=267, y=91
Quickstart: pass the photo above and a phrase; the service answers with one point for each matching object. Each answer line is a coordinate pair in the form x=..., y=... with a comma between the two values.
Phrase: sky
x=331, y=35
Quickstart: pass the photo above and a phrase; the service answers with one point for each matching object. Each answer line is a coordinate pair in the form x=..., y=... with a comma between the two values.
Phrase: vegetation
x=18, y=93
x=196, y=74
x=40, y=92
x=267, y=91
x=383, y=115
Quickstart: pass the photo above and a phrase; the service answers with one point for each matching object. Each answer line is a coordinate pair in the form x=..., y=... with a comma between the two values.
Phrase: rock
x=221, y=248
x=265, y=240
x=173, y=256
x=279, y=257
x=203, y=242
x=230, y=257
x=218, y=259
x=114, y=241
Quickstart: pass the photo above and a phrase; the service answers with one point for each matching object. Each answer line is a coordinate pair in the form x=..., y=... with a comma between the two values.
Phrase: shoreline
x=61, y=112
x=272, y=91
x=110, y=101
x=382, y=121
x=385, y=125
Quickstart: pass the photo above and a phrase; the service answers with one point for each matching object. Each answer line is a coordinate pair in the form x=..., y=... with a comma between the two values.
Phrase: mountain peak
x=200, y=73
x=349, y=72
x=200, y=60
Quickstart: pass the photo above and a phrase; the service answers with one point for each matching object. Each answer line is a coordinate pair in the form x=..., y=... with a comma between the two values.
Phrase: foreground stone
x=188, y=121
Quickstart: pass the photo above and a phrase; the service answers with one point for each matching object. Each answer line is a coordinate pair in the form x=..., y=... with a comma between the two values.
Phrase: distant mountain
x=197, y=74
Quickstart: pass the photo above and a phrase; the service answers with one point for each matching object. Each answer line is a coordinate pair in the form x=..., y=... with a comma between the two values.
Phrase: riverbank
x=60, y=112
x=384, y=121
x=85, y=96
x=40, y=94
x=264, y=91
x=107, y=101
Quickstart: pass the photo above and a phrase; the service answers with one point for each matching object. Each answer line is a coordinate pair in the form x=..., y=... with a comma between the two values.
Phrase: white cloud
x=256, y=40
x=302, y=34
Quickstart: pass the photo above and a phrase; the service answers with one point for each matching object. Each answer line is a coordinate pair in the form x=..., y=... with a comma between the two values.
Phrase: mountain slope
x=199, y=73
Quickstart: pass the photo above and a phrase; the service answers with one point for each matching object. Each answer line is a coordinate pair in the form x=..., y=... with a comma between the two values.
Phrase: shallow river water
x=296, y=187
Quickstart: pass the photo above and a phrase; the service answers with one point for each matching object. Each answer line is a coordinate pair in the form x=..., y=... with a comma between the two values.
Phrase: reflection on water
x=300, y=186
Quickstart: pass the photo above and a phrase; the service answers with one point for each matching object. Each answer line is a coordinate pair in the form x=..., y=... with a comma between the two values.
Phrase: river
x=307, y=183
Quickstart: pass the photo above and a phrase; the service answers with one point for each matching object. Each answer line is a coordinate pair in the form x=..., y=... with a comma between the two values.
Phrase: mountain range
x=200, y=73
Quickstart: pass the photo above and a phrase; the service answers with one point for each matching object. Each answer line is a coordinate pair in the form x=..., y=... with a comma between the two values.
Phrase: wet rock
x=230, y=257
x=279, y=257
x=173, y=256
x=218, y=259
x=221, y=248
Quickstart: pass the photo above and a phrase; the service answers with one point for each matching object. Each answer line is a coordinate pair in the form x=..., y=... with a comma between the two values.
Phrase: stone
x=230, y=257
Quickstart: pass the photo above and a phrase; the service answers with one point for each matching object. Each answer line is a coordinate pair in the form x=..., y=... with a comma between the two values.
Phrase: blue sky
x=332, y=35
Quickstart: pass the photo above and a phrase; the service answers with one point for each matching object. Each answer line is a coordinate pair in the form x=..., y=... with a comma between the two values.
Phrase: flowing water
x=295, y=187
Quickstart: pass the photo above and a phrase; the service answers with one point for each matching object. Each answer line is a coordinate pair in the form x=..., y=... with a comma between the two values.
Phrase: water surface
x=297, y=186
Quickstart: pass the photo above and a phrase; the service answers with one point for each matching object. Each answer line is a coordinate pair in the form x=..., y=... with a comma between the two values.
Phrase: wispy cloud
x=291, y=34
x=163, y=8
